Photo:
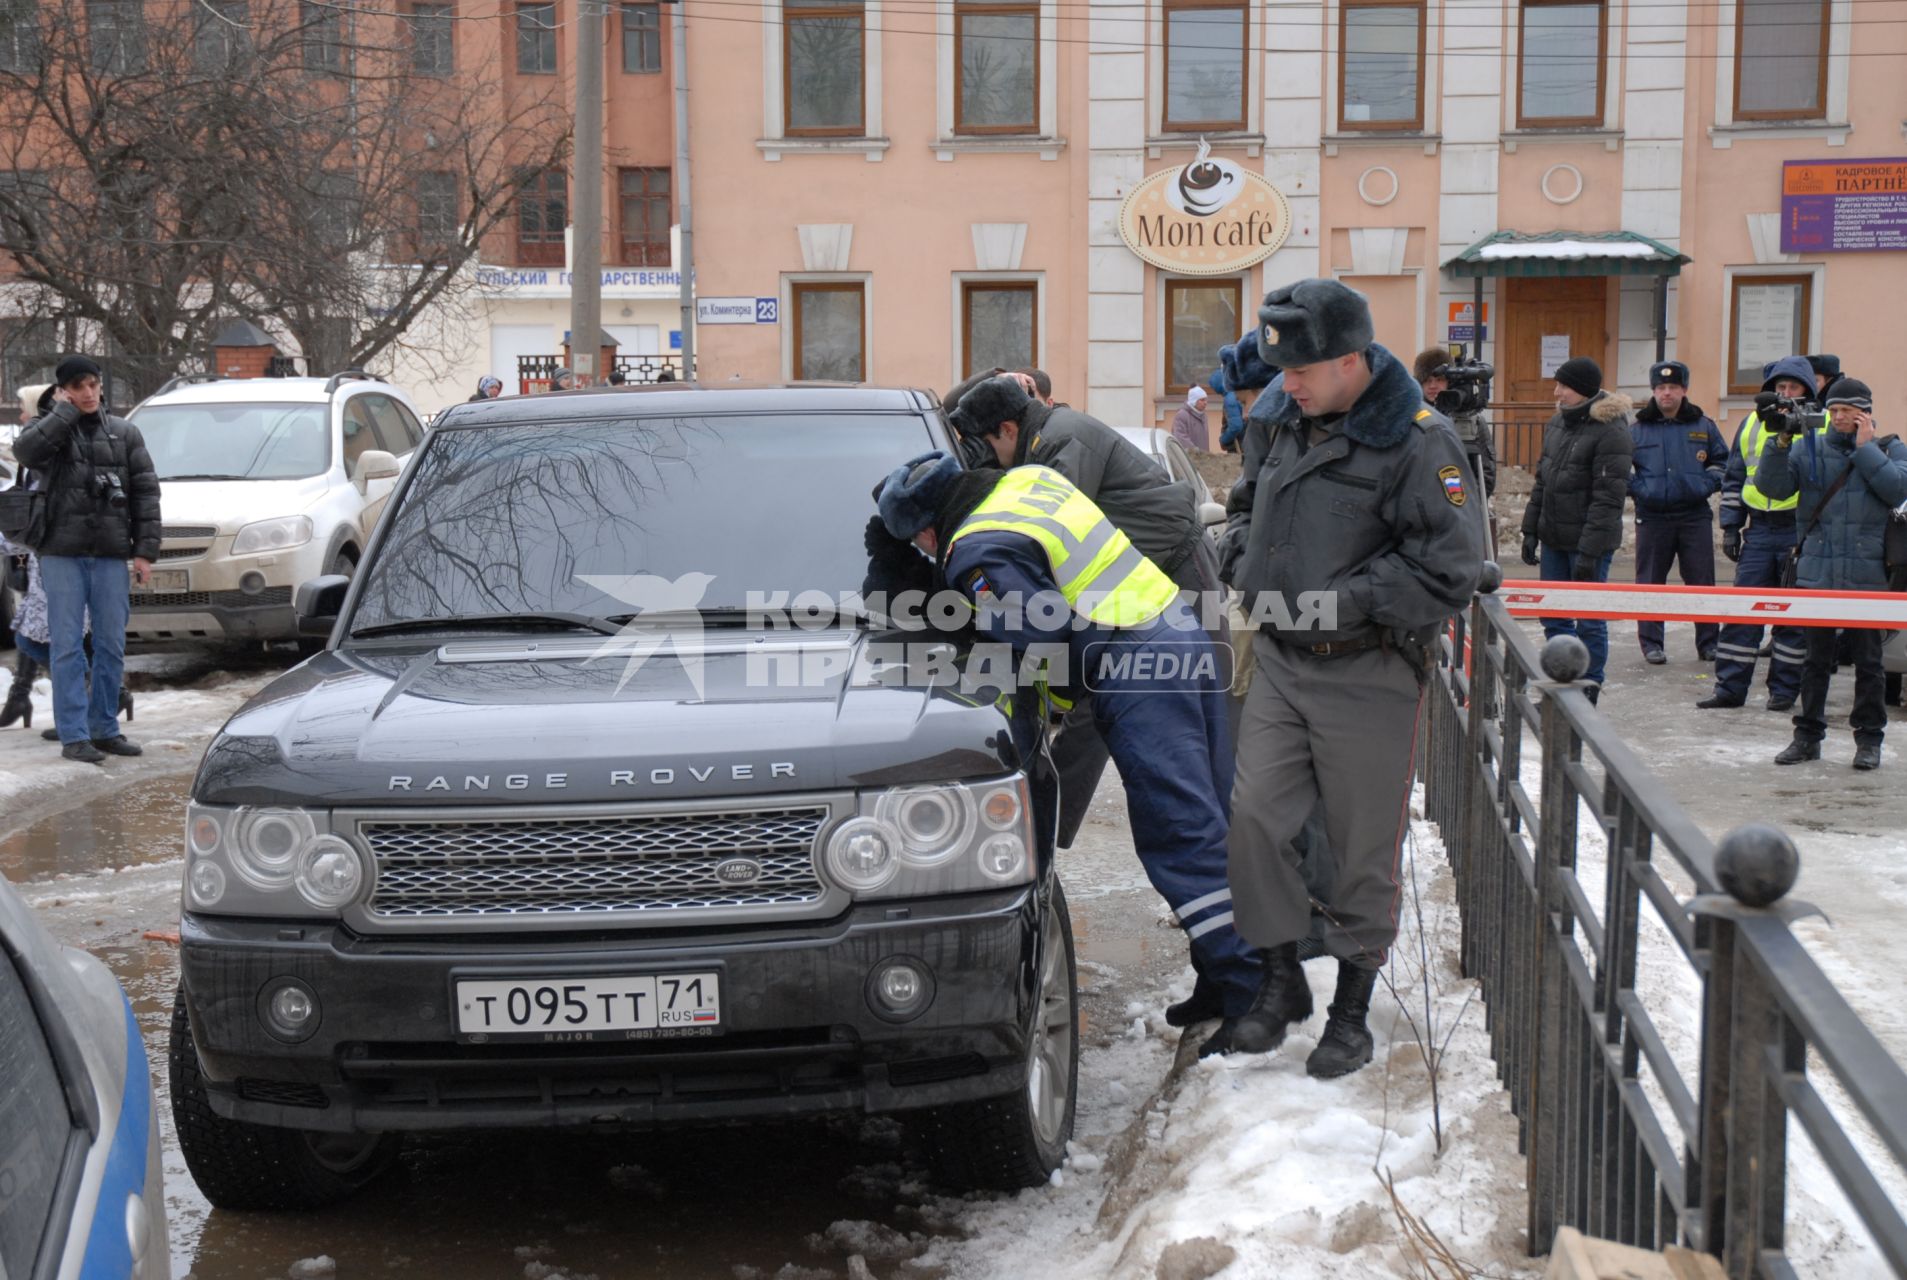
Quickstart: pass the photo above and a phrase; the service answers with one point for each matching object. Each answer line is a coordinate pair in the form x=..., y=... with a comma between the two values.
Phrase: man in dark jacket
x=102, y=508
x=1758, y=532
x=1356, y=533
x=1679, y=457
x=1849, y=483
x=1573, y=524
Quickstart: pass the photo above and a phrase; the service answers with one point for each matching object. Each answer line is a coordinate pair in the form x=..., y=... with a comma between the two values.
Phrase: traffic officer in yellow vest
x=1758, y=532
x=1042, y=565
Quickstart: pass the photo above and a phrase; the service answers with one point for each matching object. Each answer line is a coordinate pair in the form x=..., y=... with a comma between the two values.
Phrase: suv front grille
x=530, y=867
x=201, y=531
x=148, y=601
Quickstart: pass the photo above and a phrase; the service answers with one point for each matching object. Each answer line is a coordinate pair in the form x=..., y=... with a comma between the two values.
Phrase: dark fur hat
x=1428, y=361
x=911, y=498
x=1313, y=321
x=988, y=404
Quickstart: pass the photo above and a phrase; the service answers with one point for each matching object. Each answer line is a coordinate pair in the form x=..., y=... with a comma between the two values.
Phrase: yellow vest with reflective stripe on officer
x=1753, y=440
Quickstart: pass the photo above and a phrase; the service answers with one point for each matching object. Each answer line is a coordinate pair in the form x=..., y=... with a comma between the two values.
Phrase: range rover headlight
x=248, y=861
x=923, y=841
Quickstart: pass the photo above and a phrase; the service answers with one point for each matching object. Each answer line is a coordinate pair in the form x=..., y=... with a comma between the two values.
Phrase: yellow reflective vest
x=1754, y=438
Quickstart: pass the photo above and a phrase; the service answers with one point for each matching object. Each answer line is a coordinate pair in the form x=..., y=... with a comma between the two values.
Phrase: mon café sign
x=1207, y=218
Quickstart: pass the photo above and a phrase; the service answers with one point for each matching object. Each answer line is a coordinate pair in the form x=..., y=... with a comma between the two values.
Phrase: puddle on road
x=139, y=824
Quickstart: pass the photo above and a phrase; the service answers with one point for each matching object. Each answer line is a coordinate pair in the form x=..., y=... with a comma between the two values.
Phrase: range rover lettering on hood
x=656, y=777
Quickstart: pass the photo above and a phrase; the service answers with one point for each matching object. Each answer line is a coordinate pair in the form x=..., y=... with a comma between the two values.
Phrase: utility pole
x=586, y=203
x=679, y=50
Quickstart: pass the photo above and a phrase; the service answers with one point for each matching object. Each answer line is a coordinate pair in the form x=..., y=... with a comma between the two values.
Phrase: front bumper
x=799, y=1036
x=212, y=615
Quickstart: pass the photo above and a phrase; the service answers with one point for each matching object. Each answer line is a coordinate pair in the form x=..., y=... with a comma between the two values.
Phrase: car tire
x=343, y=564
x=239, y=1165
x=1017, y=1140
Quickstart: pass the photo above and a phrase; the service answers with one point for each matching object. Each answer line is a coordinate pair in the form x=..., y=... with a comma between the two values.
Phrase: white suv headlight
x=914, y=842
x=281, y=534
x=248, y=861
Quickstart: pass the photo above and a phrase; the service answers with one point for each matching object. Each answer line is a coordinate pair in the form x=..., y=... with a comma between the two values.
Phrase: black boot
x=1206, y=1002
x=1346, y=1043
x=1799, y=750
x=125, y=704
x=20, y=697
x=1284, y=997
x=1715, y=700
x=1867, y=757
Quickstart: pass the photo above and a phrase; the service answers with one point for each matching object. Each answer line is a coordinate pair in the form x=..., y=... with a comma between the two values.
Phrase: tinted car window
x=34, y=1125
x=511, y=519
x=389, y=421
x=239, y=441
x=413, y=429
x=360, y=431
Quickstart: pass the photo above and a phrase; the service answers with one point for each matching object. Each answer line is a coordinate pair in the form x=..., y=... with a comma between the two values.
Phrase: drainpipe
x=679, y=49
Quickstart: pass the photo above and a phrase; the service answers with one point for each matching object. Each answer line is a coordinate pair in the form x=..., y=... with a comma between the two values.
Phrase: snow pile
x=1568, y=249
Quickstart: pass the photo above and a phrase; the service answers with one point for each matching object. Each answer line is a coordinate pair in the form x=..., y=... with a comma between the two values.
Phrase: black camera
x=1468, y=389
x=110, y=489
x=1788, y=417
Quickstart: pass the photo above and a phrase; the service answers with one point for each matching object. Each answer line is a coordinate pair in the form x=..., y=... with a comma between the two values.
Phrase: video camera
x=1468, y=389
x=1788, y=417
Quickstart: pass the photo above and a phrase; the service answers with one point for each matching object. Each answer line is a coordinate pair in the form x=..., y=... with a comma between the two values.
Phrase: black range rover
x=591, y=813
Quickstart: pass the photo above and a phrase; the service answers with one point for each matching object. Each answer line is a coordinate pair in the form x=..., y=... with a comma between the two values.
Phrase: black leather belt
x=1338, y=648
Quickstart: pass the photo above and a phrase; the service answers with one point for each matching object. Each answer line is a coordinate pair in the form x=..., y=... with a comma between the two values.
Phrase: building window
x=336, y=215
x=1200, y=317
x=221, y=38
x=437, y=228
x=823, y=45
x=116, y=36
x=432, y=53
x=997, y=50
x=1768, y=319
x=999, y=325
x=1380, y=65
x=1781, y=59
x=1205, y=52
x=645, y=217
x=19, y=35
x=323, y=43
x=1562, y=54
x=641, y=39
x=542, y=214
x=536, y=39
x=830, y=333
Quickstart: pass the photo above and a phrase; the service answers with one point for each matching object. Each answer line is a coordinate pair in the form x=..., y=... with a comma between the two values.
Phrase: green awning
x=1567, y=253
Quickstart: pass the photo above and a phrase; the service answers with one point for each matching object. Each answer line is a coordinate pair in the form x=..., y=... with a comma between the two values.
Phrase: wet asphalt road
x=727, y=1203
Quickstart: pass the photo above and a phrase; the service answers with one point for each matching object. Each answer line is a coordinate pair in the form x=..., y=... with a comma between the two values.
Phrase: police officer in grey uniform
x=1356, y=533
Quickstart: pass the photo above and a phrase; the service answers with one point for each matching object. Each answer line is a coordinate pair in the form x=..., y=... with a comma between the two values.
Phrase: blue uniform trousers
x=1764, y=550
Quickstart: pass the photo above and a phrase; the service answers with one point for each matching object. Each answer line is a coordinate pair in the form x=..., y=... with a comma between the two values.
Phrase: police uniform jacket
x=1383, y=512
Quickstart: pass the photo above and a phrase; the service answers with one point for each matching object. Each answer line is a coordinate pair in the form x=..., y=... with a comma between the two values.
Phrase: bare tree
x=323, y=169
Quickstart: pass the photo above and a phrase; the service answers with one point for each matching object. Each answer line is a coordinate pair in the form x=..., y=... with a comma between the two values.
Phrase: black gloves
x=1583, y=567
x=1532, y=549
x=1231, y=549
x=1731, y=543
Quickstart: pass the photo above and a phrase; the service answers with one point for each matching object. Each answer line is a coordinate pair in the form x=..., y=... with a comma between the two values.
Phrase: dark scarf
x=1652, y=412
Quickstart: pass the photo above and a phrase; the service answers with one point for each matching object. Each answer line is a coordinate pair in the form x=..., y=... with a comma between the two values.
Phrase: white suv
x=264, y=483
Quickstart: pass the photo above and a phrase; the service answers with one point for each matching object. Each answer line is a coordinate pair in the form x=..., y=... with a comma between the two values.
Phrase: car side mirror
x=374, y=464
x=1211, y=513
x=319, y=602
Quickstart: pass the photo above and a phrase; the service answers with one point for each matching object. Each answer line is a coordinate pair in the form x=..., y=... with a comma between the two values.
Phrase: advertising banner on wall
x=1843, y=206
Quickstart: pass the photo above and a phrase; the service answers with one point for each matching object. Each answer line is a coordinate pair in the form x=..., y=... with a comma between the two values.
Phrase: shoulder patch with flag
x=1452, y=478
x=978, y=586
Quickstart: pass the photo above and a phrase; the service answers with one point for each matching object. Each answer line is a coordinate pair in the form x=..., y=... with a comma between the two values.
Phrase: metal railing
x=1518, y=432
x=535, y=373
x=1554, y=910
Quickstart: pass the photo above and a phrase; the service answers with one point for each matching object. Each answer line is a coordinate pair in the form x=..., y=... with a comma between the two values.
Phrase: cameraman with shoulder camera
x=1761, y=548
x=1678, y=467
x=1460, y=390
x=1849, y=482
x=102, y=508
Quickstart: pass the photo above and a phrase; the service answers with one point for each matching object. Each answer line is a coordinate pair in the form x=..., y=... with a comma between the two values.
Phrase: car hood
x=540, y=720
x=230, y=505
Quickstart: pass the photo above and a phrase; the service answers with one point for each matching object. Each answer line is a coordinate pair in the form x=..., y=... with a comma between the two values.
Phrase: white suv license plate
x=168, y=580
x=637, y=1007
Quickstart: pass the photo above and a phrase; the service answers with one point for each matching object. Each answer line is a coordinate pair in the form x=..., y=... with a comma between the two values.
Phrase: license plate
x=637, y=1007
x=167, y=580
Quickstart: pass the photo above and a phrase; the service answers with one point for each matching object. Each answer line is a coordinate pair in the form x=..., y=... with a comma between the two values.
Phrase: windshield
x=236, y=441
x=713, y=513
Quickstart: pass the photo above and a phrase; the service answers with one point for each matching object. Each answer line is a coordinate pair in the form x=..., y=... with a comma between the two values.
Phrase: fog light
x=207, y=882
x=900, y=988
x=290, y=1009
x=252, y=583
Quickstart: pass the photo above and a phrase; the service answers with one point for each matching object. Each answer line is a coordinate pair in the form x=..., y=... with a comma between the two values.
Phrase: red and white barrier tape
x=1766, y=606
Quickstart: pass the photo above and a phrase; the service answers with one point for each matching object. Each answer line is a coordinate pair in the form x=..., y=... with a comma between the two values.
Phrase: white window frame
x=775, y=142
x=1816, y=273
x=1254, y=130
x=1833, y=129
x=957, y=339
x=787, y=325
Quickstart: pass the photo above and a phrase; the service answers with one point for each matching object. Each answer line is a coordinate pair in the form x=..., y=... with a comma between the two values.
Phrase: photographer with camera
x=1849, y=481
x=102, y=508
x=1758, y=535
x=1460, y=390
x=1678, y=467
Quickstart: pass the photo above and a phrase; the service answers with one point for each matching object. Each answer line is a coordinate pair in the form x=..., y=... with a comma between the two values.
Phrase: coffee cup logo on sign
x=1209, y=217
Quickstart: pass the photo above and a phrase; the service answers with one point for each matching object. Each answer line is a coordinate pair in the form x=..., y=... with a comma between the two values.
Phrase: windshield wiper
x=572, y=621
x=207, y=476
x=738, y=615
